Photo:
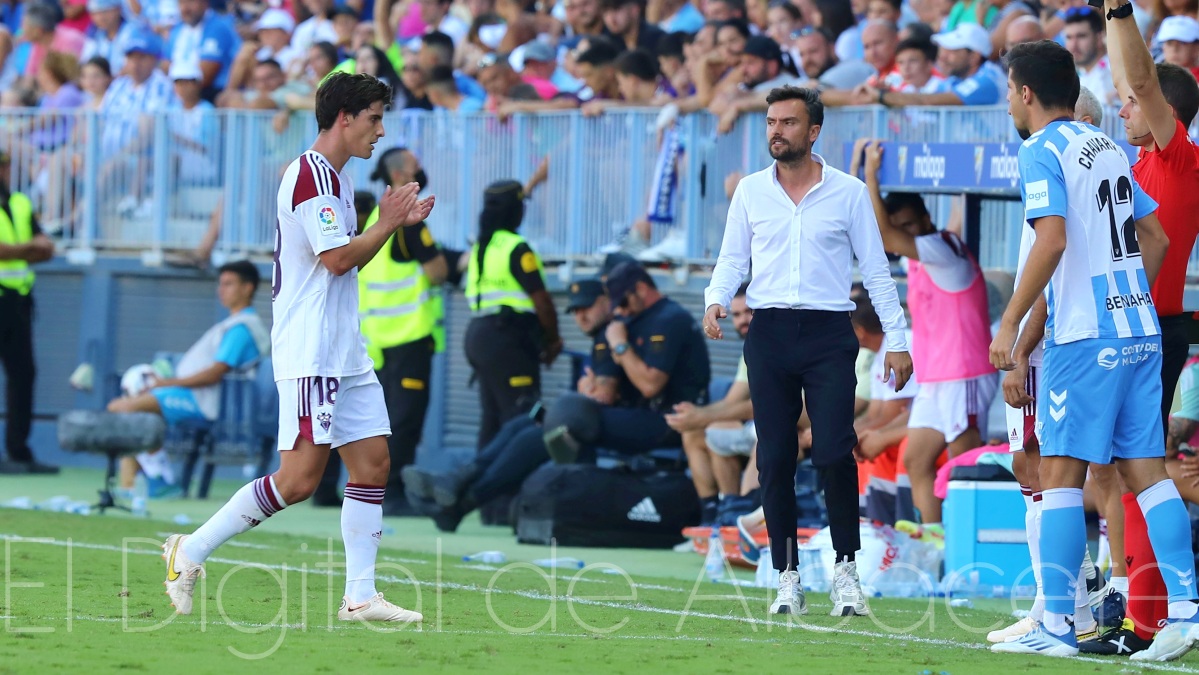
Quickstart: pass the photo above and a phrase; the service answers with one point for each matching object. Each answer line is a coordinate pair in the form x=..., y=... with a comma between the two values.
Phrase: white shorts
x=1021, y=422
x=953, y=407
x=331, y=411
x=739, y=442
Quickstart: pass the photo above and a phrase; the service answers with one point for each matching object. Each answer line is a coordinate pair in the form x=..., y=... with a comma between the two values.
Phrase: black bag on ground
x=583, y=505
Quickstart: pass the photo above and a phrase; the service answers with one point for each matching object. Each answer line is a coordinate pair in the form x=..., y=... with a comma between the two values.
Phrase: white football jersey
x=1099, y=289
x=315, y=331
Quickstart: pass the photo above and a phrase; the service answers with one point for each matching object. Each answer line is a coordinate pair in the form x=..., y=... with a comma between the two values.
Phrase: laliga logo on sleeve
x=328, y=218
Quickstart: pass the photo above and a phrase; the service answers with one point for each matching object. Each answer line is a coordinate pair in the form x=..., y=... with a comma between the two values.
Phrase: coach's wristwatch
x=620, y=349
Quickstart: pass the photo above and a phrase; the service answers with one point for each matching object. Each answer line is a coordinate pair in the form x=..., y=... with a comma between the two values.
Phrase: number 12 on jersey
x=1124, y=235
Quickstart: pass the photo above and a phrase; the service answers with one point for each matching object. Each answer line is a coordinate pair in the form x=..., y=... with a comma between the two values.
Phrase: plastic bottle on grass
x=714, y=562
x=141, y=496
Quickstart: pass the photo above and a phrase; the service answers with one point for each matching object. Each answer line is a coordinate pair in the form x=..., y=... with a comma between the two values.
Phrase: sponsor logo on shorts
x=1107, y=358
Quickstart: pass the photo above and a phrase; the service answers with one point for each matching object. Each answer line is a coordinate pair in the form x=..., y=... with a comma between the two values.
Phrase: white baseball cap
x=1180, y=28
x=276, y=18
x=966, y=36
x=186, y=69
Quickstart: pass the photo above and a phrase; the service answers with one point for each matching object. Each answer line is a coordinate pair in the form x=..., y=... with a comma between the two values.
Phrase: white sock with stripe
x=361, y=530
x=253, y=503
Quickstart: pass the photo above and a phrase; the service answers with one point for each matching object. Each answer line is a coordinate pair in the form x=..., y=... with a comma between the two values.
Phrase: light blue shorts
x=178, y=404
x=1100, y=399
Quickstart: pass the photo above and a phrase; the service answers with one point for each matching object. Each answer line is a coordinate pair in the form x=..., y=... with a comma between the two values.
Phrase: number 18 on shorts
x=331, y=410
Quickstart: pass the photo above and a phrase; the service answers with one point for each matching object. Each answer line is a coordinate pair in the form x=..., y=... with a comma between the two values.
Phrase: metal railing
x=150, y=183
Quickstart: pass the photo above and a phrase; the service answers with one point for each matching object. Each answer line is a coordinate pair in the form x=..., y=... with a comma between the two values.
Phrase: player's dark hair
x=351, y=94
x=1180, y=91
x=440, y=43
x=1046, y=68
x=898, y=201
x=864, y=316
x=245, y=270
x=810, y=98
x=925, y=47
x=638, y=63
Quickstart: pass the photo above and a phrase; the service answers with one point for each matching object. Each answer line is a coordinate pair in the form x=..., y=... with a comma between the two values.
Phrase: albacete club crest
x=325, y=419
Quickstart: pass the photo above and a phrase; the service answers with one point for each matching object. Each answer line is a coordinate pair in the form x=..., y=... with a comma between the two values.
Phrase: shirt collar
x=774, y=174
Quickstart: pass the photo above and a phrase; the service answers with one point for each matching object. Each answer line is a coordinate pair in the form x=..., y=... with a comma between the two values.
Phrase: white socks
x=361, y=530
x=253, y=503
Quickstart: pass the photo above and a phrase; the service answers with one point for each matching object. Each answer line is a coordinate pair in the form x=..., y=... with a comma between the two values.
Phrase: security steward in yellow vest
x=514, y=327
x=21, y=243
x=400, y=308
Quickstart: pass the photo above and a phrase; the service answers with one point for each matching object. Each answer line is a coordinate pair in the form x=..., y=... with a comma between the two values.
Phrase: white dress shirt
x=802, y=254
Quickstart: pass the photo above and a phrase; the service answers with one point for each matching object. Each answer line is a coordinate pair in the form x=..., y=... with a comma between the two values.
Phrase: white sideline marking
x=534, y=595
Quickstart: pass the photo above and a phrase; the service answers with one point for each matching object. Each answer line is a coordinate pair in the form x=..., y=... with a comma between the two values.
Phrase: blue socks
x=1170, y=535
x=1063, y=536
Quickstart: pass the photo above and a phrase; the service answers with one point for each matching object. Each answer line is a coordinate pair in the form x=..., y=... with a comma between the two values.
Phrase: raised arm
x=1136, y=76
x=895, y=240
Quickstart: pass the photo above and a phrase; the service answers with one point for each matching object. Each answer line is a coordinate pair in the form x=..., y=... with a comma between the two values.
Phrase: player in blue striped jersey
x=1101, y=385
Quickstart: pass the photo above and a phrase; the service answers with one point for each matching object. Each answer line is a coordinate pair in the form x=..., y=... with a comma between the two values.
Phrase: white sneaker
x=1040, y=641
x=1171, y=642
x=181, y=574
x=1013, y=632
x=672, y=247
x=791, y=598
x=377, y=609
x=847, y=591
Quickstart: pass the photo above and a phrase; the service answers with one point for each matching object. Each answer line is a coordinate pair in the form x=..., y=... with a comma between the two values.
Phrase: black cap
x=612, y=260
x=503, y=194
x=583, y=294
x=763, y=48
x=622, y=280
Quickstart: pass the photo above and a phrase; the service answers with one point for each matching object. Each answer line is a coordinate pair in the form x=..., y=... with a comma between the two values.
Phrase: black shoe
x=399, y=507
x=449, y=488
x=448, y=520
x=1121, y=641
x=1110, y=610
x=418, y=483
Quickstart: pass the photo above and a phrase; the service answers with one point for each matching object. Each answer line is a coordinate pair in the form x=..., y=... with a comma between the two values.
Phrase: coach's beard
x=790, y=155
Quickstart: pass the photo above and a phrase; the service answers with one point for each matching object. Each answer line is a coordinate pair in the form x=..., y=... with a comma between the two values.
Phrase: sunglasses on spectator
x=803, y=32
x=1074, y=12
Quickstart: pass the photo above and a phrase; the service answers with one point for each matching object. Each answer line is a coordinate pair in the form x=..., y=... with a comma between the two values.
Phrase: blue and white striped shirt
x=112, y=49
x=124, y=105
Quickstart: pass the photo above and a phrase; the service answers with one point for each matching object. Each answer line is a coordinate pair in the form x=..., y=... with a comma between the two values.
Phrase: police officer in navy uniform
x=514, y=328
x=21, y=244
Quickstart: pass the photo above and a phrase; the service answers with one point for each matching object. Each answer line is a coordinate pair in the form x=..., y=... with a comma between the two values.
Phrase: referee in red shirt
x=1159, y=102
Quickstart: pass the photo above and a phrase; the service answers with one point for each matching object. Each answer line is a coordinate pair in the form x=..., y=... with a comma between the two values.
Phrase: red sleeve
x=1180, y=155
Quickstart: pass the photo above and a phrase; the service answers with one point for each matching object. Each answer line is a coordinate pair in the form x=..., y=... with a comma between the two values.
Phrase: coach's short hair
x=1048, y=69
x=348, y=93
x=810, y=98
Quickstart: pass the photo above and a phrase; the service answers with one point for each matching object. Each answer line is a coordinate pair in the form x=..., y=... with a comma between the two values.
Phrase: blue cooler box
x=985, y=541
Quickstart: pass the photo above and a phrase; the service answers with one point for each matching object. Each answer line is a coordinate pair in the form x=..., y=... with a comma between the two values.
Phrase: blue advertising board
x=977, y=168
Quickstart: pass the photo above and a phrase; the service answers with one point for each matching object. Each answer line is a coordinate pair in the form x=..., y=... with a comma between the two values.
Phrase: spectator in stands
x=437, y=49
x=484, y=37
x=318, y=27
x=639, y=82
x=674, y=15
x=273, y=36
x=371, y=60
x=761, y=70
x=784, y=19
x=1084, y=33
x=266, y=80
x=717, y=436
x=437, y=16
x=444, y=95
x=501, y=82
x=670, y=53
x=1023, y=29
x=1179, y=39
x=127, y=137
x=22, y=243
x=916, y=61
x=56, y=81
x=820, y=65
x=973, y=80
x=417, y=84
x=300, y=92
x=947, y=297
x=40, y=34
x=193, y=394
x=879, y=42
x=207, y=39
x=58, y=204
x=724, y=10
x=95, y=77
x=625, y=21
x=345, y=20
x=195, y=130
x=540, y=69
x=108, y=34
x=583, y=18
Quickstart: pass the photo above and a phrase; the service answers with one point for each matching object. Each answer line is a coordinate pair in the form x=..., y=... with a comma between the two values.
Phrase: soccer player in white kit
x=328, y=395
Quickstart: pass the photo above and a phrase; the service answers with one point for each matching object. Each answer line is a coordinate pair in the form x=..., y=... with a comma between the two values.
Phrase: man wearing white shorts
x=328, y=395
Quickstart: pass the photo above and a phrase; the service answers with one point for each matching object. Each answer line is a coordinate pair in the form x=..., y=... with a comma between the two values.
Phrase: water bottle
x=141, y=495
x=766, y=576
x=714, y=562
x=489, y=557
x=553, y=563
x=961, y=602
